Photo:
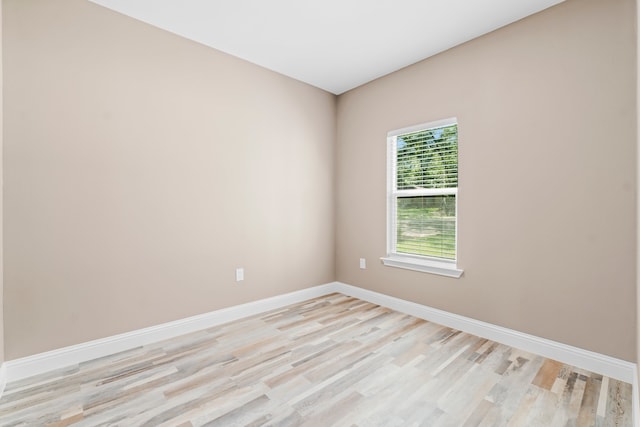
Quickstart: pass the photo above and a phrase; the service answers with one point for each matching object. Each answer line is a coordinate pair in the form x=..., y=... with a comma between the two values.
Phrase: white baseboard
x=3, y=377
x=17, y=369
x=636, y=398
x=585, y=359
x=43, y=362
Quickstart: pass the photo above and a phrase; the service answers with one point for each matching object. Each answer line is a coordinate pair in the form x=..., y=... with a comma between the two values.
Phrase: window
x=422, y=198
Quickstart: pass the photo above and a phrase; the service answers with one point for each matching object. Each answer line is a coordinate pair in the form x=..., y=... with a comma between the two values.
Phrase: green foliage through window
x=428, y=159
x=427, y=165
x=426, y=225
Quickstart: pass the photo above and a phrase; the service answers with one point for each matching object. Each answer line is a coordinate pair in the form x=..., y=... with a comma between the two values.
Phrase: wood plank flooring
x=333, y=360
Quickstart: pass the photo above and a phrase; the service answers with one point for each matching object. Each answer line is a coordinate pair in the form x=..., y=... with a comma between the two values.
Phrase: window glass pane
x=427, y=159
x=426, y=225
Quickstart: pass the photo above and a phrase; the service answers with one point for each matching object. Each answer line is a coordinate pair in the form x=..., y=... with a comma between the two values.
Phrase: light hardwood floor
x=333, y=360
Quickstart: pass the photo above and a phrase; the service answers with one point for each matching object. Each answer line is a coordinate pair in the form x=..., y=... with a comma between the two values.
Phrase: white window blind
x=423, y=188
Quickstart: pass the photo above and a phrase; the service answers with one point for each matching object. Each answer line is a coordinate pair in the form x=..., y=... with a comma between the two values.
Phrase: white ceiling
x=335, y=45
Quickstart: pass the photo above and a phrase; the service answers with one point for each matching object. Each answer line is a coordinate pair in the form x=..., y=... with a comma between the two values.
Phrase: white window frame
x=425, y=264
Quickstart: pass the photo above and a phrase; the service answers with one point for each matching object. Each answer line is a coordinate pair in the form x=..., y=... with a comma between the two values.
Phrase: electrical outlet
x=363, y=263
x=239, y=274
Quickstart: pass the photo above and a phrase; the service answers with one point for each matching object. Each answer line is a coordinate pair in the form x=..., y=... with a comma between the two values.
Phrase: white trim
x=43, y=362
x=635, y=397
x=426, y=192
x=3, y=378
x=424, y=126
x=585, y=359
x=441, y=268
x=13, y=370
x=392, y=223
x=395, y=258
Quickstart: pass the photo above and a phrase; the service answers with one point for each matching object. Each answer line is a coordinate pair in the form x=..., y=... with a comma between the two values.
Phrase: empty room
x=305, y=213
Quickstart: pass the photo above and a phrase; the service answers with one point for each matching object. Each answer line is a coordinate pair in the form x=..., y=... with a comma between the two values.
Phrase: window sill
x=441, y=268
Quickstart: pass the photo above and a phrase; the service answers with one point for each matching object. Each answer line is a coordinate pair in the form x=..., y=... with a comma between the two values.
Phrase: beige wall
x=142, y=169
x=637, y=324
x=547, y=217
